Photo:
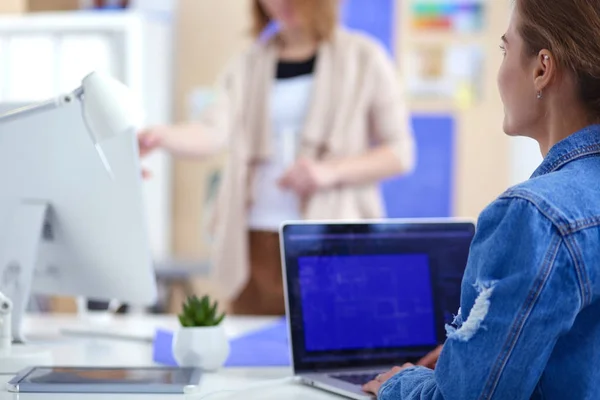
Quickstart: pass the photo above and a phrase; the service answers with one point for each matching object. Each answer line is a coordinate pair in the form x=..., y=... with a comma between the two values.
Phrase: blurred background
x=171, y=51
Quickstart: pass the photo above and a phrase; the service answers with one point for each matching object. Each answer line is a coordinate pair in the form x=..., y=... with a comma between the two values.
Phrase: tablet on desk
x=104, y=380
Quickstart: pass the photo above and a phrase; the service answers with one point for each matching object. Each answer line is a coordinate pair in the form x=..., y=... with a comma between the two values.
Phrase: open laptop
x=364, y=297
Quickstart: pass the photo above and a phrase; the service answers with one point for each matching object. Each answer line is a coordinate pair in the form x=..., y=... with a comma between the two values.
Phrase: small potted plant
x=200, y=341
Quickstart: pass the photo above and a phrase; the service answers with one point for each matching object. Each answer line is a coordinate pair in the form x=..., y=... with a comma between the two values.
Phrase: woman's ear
x=544, y=70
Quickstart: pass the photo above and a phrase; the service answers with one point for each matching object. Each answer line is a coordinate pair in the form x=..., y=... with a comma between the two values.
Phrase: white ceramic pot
x=206, y=347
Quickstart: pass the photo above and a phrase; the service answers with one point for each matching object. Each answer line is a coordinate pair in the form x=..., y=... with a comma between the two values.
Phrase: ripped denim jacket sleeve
x=519, y=294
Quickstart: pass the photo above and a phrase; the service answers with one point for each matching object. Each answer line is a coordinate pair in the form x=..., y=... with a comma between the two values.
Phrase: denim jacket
x=529, y=322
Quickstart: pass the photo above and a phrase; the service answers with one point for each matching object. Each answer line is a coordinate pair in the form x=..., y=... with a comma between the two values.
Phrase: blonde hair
x=321, y=17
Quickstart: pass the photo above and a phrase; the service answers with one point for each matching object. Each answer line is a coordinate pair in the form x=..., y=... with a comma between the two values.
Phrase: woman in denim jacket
x=529, y=323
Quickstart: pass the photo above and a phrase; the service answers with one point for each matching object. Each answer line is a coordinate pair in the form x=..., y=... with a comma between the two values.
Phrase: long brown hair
x=570, y=30
x=321, y=16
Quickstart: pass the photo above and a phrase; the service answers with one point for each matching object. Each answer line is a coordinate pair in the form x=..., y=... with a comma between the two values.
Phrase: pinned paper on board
x=453, y=73
x=456, y=16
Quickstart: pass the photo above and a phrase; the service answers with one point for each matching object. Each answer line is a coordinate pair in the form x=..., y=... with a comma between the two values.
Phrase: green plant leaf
x=200, y=316
x=219, y=320
x=205, y=304
x=185, y=322
x=199, y=312
x=213, y=311
x=191, y=303
x=186, y=309
x=195, y=302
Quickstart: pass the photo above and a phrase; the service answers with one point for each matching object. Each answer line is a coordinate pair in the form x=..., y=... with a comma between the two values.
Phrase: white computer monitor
x=69, y=226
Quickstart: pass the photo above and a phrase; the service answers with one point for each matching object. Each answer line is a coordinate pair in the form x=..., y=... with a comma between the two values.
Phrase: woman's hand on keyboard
x=375, y=385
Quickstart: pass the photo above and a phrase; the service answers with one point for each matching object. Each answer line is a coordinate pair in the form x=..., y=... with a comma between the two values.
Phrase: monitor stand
x=18, y=256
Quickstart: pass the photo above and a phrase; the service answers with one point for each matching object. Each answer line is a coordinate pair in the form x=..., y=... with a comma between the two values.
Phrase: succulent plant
x=200, y=313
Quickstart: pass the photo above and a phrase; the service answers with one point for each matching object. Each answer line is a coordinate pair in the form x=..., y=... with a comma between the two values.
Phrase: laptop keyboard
x=356, y=379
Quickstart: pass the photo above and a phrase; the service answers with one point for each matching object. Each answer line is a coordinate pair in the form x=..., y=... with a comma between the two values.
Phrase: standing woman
x=313, y=118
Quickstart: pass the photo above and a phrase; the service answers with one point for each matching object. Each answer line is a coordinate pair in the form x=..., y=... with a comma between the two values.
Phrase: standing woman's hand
x=149, y=140
x=306, y=177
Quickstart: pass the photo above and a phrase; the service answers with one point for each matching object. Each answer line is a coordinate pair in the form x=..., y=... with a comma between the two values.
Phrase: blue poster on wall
x=427, y=192
x=374, y=17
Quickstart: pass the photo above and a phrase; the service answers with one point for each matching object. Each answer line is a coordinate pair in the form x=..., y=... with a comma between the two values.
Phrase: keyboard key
x=356, y=379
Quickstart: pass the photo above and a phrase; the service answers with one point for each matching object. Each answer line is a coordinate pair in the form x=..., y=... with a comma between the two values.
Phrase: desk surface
x=80, y=351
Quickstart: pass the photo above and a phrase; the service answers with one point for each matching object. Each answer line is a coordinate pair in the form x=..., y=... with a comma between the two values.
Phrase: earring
x=546, y=57
x=539, y=95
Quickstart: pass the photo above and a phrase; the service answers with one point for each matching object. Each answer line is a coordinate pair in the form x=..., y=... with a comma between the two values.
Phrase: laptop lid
x=371, y=294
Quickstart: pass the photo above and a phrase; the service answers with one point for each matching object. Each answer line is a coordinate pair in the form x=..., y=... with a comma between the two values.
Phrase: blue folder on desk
x=267, y=347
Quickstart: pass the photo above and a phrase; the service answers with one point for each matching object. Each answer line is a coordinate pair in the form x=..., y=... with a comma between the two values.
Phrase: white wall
x=525, y=157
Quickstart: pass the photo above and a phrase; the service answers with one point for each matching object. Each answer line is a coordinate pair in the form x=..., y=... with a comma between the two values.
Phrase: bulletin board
x=427, y=192
x=374, y=17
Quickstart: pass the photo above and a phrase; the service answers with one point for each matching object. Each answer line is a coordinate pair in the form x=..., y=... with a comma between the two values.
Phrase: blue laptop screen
x=362, y=295
x=372, y=301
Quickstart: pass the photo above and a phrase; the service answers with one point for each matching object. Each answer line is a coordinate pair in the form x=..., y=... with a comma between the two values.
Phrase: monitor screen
x=372, y=294
x=374, y=301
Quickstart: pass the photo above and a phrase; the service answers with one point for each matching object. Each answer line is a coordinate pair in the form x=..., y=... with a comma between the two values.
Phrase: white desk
x=77, y=351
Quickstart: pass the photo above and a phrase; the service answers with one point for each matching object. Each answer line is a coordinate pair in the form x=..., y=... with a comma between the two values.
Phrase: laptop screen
x=371, y=294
